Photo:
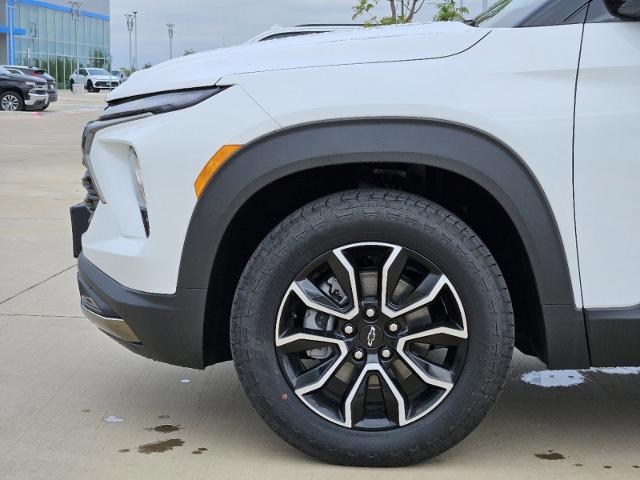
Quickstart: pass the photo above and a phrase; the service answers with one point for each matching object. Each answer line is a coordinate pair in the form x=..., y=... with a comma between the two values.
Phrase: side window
x=598, y=13
x=83, y=71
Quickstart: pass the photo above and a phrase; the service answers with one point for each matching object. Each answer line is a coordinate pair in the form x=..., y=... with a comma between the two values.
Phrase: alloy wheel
x=371, y=336
x=10, y=103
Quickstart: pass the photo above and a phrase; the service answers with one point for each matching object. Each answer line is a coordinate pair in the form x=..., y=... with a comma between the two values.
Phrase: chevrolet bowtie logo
x=371, y=336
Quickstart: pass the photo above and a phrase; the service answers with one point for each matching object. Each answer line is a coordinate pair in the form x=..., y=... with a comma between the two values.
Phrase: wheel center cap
x=371, y=336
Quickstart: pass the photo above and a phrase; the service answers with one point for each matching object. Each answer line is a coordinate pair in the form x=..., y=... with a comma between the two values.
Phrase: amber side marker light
x=213, y=165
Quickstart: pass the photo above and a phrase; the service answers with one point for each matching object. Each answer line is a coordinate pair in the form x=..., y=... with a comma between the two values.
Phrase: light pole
x=135, y=25
x=75, y=14
x=129, y=17
x=10, y=39
x=170, y=27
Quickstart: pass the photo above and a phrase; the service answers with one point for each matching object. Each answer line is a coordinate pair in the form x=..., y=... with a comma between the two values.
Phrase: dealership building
x=43, y=34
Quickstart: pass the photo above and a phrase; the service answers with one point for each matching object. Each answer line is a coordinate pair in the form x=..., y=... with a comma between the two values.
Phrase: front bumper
x=166, y=328
x=36, y=99
x=53, y=96
x=105, y=84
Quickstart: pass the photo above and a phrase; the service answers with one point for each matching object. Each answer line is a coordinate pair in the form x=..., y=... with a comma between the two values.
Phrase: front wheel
x=372, y=328
x=11, y=102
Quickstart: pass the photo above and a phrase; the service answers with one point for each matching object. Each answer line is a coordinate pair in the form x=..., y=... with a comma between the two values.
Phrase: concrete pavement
x=60, y=378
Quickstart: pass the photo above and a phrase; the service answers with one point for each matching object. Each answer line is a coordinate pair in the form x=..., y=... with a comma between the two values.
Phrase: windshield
x=97, y=71
x=507, y=13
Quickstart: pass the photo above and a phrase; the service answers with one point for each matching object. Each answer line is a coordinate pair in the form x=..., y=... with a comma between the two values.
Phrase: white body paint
x=517, y=85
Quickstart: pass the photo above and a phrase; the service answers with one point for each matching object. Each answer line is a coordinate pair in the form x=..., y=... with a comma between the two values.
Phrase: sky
x=207, y=24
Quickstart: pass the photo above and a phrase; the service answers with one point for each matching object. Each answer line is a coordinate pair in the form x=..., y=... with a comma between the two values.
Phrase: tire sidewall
x=432, y=235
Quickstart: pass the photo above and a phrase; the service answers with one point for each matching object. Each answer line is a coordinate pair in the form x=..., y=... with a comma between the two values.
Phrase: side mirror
x=625, y=9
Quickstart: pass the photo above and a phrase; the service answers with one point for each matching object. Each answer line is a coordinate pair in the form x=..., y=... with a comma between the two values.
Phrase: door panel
x=607, y=165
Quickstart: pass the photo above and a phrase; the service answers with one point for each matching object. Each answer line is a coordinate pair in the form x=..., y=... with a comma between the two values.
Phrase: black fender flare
x=460, y=149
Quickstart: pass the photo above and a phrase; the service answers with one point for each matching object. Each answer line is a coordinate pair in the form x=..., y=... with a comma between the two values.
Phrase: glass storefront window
x=49, y=42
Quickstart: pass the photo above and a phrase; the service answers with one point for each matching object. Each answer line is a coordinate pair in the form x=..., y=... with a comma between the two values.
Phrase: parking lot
x=75, y=405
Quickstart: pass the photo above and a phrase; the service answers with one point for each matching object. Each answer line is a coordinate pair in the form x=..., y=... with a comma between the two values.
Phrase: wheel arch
x=344, y=147
x=15, y=90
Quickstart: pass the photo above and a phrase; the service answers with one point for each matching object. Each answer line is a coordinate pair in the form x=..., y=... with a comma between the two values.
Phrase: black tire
x=11, y=102
x=90, y=87
x=45, y=106
x=71, y=85
x=373, y=216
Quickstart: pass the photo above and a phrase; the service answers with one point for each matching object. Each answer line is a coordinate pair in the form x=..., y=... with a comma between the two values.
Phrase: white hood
x=373, y=45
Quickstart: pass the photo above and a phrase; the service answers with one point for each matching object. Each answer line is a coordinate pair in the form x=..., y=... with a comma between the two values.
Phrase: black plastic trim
x=456, y=148
x=80, y=217
x=614, y=336
x=170, y=327
x=165, y=102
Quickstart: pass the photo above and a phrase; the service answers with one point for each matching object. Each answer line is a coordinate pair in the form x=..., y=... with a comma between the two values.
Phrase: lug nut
x=386, y=353
x=370, y=312
x=348, y=329
x=393, y=327
x=358, y=354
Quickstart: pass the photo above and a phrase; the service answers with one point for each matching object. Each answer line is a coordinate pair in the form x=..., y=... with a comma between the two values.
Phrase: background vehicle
x=286, y=32
x=118, y=75
x=370, y=254
x=94, y=79
x=20, y=92
x=38, y=72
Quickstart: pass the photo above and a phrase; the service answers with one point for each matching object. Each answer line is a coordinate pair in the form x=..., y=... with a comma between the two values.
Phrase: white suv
x=367, y=222
x=94, y=79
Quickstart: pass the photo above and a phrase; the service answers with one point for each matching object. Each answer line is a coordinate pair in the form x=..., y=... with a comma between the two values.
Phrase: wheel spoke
x=315, y=298
x=436, y=335
x=316, y=377
x=429, y=372
x=346, y=275
x=306, y=340
x=391, y=273
x=424, y=294
x=356, y=395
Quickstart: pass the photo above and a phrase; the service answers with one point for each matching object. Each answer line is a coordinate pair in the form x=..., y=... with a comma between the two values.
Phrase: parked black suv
x=39, y=73
x=22, y=92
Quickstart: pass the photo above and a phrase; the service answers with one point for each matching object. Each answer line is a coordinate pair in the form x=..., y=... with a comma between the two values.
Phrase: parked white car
x=369, y=221
x=118, y=75
x=286, y=32
x=94, y=79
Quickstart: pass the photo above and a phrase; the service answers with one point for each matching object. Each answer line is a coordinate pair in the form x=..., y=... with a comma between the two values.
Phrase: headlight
x=158, y=103
x=30, y=84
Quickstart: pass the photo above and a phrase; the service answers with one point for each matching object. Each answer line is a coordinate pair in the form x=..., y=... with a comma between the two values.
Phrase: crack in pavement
x=36, y=284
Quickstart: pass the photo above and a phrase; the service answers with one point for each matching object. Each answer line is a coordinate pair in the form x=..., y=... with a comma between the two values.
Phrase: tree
x=189, y=51
x=404, y=11
x=448, y=12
